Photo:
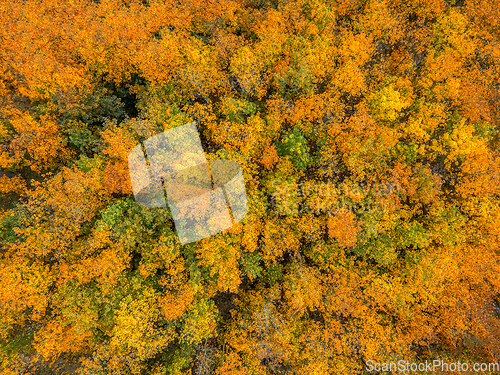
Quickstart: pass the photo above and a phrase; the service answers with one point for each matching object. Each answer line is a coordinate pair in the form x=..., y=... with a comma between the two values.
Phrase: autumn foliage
x=368, y=136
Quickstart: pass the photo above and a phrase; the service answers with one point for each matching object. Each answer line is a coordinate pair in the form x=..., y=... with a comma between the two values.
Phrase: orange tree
x=367, y=132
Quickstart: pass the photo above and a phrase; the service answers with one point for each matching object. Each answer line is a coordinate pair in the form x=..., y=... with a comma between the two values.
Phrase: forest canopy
x=367, y=132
